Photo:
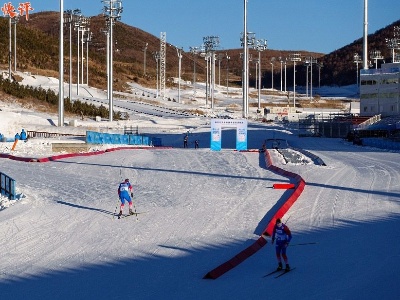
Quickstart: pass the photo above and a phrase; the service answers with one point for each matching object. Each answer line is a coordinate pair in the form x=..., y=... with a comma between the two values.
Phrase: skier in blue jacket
x=125, y=194
x=282, y=235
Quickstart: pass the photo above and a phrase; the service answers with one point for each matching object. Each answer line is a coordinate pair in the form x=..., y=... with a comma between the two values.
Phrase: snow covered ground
x=199, y=209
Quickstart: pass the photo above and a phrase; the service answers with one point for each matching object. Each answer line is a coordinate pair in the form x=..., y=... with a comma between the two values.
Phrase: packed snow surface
x=198, y=209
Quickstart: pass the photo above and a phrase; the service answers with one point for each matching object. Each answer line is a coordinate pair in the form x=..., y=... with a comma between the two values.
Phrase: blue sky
x=314, y=25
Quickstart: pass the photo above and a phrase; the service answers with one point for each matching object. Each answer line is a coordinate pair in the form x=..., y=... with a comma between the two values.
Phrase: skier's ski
x=128, y=215
x=285, y=272
x=273, y=272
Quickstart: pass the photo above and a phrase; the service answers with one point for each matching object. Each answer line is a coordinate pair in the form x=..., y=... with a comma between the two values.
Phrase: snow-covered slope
x=200, y=208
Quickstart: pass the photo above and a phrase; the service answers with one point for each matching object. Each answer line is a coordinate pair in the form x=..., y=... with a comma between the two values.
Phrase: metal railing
x=43, y=134
x=7, y=186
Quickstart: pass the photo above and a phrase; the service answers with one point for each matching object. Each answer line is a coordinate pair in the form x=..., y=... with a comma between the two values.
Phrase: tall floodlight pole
x=179, y=53
x=394, y=43
x=245, y=64
x=206, y=57
x=15, y=21
x=357, y=60
x=295, y=57
x=111, y=68
x=84, y=29
x=313, y=61
x=106, y=31
x=365, y=39
x=112, y=11
x=71, y=19
x=320, y=65
x=163, y=62
x=77, y=25
x=61, y=69
x=227, y=74
x=285, y=72
x=68, y=21
x=260, y=46
x=88, y=40
x=307, y=64
x=272, y=72
x=144, y=59
x=220, y=57
x=156, y=56
x=211, y=43
x=281, y=61
x=82, y=53
x=376, y=55
x=194, y=51
x=213, y=59
x=9, y=48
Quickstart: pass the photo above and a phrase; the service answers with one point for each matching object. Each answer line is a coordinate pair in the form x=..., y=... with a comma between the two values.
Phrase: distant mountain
x=339, y=67
x=37, y=52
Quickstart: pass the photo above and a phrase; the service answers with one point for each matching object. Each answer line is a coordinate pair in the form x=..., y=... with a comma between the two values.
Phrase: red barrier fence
x=261, y=241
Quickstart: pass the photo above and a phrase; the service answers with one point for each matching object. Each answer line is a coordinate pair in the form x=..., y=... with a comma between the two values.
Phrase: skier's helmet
x=126, y=180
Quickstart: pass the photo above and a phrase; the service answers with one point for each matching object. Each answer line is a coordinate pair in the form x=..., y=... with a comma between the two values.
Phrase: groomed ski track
x=232, y=198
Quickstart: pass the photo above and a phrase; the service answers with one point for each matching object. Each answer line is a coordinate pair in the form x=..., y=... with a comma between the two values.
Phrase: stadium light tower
x=69, y=19
x=112, y=11
x=394, y=43
x=211, y=43
x=247, y=39
x=376, y=55
x=179, y=53
x=144, y=58
x=320, y=66
x=85, y=30
x=61, y=69
x=365, y=36
x=294, y=57
x=313, y=61
x=272, y=72
x=285, y=61
x=281, y=61
x=14, y=22
x=9, y=48
x=227, y=73
x=307, y=64
x=194, y=51
x=357, y=60
x=88, y=39
x=156, y=56
x=245, y=75
x=80, y=25
x=259, y=45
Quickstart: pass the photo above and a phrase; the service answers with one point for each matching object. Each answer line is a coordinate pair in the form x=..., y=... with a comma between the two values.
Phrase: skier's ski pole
x=303, y=244
x=115, y=210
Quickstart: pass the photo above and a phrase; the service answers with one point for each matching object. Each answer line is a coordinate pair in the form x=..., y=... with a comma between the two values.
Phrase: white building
x=380, y=91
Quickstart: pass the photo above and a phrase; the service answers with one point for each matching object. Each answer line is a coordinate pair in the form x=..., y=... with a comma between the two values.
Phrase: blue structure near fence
x=93, y=137
x=7, y=186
